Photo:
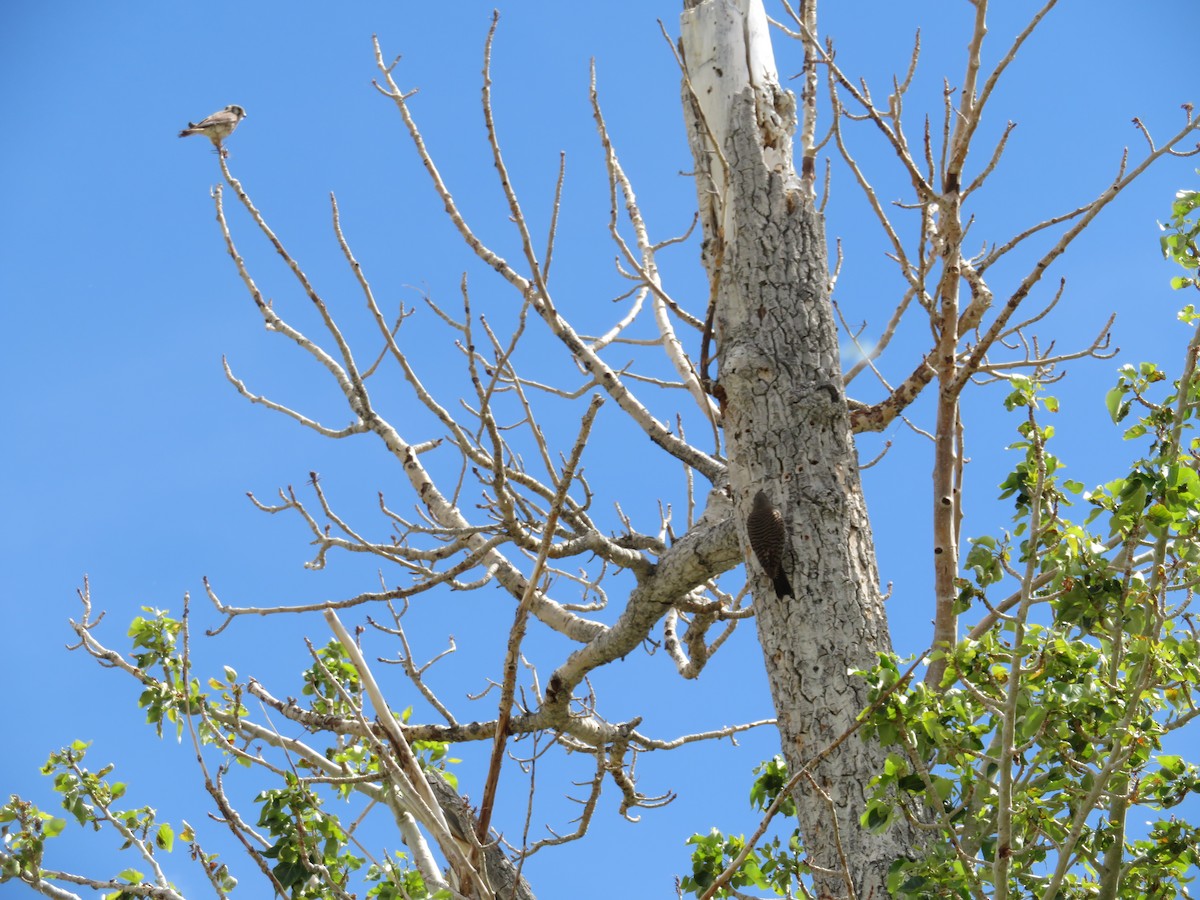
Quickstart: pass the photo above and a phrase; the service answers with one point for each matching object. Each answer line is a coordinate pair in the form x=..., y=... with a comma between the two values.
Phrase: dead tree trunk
x=787, y=431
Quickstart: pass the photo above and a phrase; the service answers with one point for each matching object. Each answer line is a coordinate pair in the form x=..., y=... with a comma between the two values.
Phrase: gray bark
x=787, y=432
x=502, y=875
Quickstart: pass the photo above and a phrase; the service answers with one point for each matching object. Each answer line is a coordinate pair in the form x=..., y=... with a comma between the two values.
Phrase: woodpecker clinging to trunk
x=768, y=538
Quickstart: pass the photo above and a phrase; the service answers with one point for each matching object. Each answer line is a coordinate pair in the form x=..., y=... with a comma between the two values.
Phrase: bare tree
x=767, y=414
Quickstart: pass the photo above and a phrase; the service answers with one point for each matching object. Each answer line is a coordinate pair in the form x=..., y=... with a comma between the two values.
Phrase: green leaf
x=165, y=839
x=1114, y=402
x=1031, y=722
x=1173, y=764
x=53, y=827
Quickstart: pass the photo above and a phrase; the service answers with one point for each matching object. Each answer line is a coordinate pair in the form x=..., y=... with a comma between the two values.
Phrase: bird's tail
x=783, y=587
x=190, y=130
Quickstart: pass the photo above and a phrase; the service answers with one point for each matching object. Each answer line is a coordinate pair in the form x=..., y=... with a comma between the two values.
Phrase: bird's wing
x=217, y=118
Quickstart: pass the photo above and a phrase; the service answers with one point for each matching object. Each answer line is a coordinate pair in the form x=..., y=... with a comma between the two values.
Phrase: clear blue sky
x=126, y=454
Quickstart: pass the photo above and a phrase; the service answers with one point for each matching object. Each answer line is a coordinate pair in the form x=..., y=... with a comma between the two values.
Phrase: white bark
x=787, y=432
x=719, y=70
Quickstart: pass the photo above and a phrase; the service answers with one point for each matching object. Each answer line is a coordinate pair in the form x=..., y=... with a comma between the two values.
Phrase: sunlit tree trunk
x=787, y=431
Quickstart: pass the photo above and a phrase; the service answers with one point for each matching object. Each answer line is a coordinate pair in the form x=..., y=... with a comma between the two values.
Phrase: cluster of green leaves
x=332, y=670
x=24, y=830
x=1049, y=726
x=396, y=879
x=332, y=681
x=774, y=864
x=1181, y=238
x=156, y=652
x=311, y=853
x=312, y=850
x=310, y=846
x=89, y=798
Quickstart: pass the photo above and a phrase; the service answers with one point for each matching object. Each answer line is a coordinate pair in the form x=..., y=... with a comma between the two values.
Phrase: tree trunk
x=787, y=432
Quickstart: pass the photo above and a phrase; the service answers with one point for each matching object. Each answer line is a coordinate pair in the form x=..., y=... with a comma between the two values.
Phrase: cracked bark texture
x=787, y=432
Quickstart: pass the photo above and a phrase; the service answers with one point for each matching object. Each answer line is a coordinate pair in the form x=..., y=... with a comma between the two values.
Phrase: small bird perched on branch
x=768, y=538
x=218, y=126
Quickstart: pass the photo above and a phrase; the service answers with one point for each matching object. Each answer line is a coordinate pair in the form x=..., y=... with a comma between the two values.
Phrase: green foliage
x=774, y=864
x=772, y=776
x=397, y=880
x=1133, y=383
x=433, y=755
x=310, y=846
x=25, y=829
x=88, y=798
x=332, y=681
x=1049, y=730
x=310, y=854
x=1182, y=233
x=156, y=653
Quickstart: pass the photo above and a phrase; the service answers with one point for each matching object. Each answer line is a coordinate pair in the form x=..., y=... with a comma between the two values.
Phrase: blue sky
x=127, y=455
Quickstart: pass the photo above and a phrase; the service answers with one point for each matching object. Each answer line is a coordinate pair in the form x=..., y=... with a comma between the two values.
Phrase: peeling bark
x=787, y=432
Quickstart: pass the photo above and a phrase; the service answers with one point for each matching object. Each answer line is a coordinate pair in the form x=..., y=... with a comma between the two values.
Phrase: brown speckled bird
x=768, y=538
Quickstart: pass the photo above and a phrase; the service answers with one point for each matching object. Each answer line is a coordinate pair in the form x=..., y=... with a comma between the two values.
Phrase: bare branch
x=534, y=289
x=516, y=635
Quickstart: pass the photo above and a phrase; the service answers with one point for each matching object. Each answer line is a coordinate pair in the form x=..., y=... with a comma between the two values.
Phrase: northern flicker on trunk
x=768, y=538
